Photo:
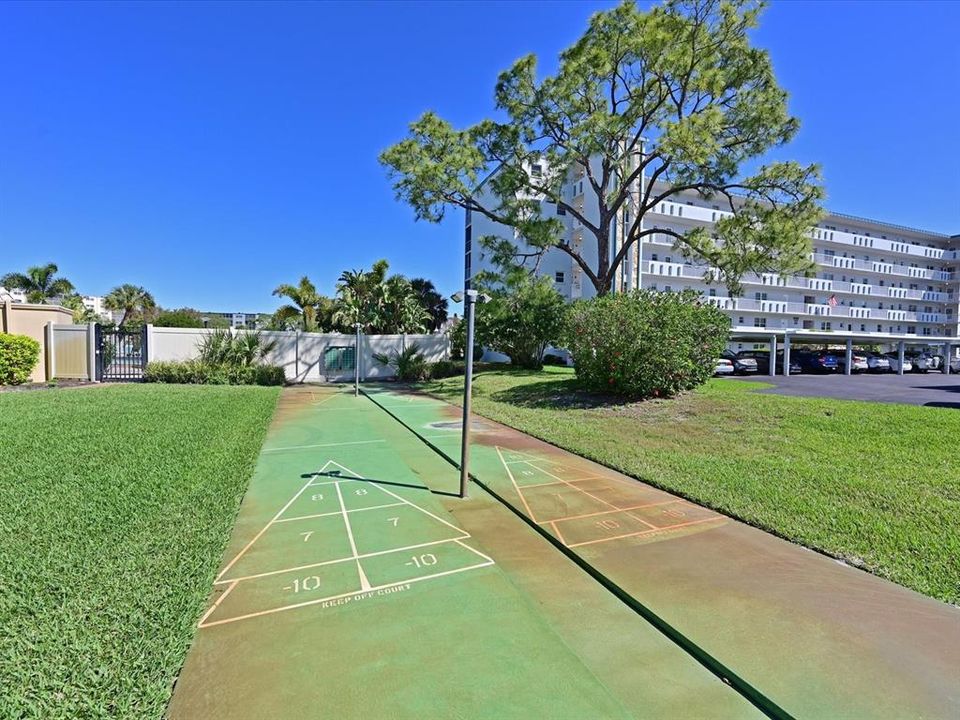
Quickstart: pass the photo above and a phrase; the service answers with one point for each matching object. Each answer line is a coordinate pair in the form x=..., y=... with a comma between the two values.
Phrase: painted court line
x=336, y=444
x=263, y=530
x=646, y=532
x=598, y=499
x=608, y=512
x=344, y=595
x=515, y=486
x=337, y=512
x=342, y=560
x=216, y=604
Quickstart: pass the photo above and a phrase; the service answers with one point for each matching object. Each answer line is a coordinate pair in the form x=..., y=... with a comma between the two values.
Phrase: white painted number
x=422, y=560
x=608, y=524
x=316, y=497
x=674, y=513
x=526, y=472
x=311, y=582
x=306, y=535
x=393, y=520
x=361, y=491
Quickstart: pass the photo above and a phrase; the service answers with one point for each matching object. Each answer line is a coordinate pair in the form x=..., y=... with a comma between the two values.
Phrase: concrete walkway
x=816, y=637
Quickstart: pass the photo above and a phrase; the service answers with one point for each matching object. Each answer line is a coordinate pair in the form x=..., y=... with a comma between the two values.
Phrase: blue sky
x=210, y=151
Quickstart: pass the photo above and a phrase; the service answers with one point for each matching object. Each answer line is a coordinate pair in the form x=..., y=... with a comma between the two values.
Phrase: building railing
x=691, y=272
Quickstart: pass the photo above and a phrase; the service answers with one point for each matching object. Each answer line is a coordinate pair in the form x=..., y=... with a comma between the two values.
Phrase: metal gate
x=121, y=354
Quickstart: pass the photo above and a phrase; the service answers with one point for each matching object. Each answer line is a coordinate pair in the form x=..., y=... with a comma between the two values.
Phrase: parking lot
x=933, y=389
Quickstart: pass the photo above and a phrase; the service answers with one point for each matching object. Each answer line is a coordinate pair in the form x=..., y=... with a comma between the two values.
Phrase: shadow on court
x=813, y=636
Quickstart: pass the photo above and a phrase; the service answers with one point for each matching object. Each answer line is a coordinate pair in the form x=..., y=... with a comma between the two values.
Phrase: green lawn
x=877, y=485
x=115, y=507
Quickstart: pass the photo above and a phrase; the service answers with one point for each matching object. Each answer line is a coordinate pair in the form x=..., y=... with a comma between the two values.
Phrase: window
x=760, y=322
x=561, y=210
x=536, y=170
x=558, y=276
x=713, y=292
x=653, y=257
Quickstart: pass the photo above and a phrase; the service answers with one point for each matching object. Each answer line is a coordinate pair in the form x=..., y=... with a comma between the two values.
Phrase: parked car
x=895, y=363
x=921, y=362
x=762, y=358
x=741, y=366
x=859, y=363
x=818, y=361
x=954, y=364
x=723, y=367
x=877, y=362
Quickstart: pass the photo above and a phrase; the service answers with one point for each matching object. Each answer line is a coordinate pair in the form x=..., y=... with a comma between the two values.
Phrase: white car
x=723, y=367
x=895, y=363
x=878, y=363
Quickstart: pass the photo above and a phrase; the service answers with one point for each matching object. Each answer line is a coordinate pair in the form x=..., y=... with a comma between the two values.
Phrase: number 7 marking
x=306, y=535
x=394, y=520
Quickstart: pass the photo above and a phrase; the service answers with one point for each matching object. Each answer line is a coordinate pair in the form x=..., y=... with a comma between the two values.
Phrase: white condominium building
x=875, y=282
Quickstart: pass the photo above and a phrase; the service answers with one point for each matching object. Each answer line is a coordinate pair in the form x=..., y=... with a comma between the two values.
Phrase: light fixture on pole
x=471, y=298
x=356, y=360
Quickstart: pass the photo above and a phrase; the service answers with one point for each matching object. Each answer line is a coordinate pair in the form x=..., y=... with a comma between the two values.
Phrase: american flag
x=833, y=302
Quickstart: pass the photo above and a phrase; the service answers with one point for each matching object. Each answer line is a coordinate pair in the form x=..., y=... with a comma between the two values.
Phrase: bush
x=410, y=365
x=18, y=357
x=645, y=343
x=196, y=372
x=445, y=368
x=458, y=338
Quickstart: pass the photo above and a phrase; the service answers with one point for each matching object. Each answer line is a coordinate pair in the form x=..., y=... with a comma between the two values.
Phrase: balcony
x=692, y=272
x=781, y=307
x=848, y=263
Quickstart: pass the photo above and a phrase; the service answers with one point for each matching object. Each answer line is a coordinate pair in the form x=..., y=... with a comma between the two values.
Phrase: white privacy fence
x=306, y=357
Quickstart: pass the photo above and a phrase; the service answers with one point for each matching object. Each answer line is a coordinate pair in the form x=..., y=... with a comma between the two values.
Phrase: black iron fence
x=121, y=354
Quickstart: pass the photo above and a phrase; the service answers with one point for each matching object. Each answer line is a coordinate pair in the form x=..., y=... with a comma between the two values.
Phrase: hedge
x=194, y=372
x=18, y=357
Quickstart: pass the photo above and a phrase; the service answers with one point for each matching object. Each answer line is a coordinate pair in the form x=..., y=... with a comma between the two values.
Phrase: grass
x=116, y=504
x=877, y=485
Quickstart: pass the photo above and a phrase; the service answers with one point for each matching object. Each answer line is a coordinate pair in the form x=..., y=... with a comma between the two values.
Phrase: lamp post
x=356, y=360
x=470, y=298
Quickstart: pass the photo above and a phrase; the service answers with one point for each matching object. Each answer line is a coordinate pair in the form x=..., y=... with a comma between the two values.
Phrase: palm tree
x=39, y=283
x=305, y=299
x=129, y=299
x=432, y=301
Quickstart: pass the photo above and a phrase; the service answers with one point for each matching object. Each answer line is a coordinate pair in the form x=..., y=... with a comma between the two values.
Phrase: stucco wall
x=30, y=320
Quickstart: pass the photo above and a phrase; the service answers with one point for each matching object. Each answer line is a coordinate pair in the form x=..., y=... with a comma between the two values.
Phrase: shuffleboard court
x=355, y=586
x=814, y=636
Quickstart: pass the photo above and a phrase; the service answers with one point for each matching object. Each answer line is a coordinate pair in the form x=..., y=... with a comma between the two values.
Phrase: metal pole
x=900, y=353
x=470, y=302
x=848, y=368
x=356, y=361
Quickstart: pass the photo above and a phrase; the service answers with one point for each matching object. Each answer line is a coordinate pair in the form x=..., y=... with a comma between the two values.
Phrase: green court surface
x=356, y=586
x=808, y=635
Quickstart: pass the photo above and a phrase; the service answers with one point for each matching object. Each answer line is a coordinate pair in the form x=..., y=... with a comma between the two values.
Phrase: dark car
x=741, y=366
x=763, y=361
x=816, y=361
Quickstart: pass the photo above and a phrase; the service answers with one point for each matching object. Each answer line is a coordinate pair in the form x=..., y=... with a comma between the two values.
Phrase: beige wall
x=30, y=320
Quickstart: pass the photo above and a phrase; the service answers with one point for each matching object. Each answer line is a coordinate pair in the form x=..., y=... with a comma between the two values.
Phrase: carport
x=787, y=338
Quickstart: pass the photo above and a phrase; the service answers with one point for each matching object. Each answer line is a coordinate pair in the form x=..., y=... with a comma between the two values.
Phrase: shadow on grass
x=556, y=395
x=335, y=474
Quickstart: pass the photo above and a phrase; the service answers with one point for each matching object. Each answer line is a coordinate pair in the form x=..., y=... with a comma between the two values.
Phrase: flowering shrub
x=645, y=343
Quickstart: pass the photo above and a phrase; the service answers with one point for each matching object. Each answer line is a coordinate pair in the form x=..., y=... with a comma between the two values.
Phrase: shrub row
x=195, y=372
x=18, y=356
